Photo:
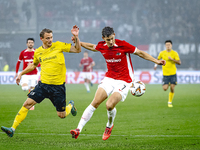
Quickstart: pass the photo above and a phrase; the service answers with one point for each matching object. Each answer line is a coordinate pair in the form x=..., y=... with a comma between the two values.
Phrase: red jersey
x=118, y=60
x=27, y=57
x=86, y=62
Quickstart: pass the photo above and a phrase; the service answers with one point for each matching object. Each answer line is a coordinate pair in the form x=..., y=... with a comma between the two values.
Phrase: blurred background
x=143, y=23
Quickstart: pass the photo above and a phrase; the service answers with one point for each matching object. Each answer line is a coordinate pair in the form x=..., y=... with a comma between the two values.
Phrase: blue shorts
x=170, y=79
x=56, y=93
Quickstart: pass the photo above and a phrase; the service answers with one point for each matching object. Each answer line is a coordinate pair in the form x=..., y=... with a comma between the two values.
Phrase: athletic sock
x=87, y=114
x=171, y=96
x=68, y=109
x=87, y=86
x=111, y=116
x=20, y=117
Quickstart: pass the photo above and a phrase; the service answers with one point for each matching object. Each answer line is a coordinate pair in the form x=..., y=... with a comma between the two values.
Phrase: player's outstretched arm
x=28, y=69
x=89, y=46
x=77, y=47
x=146, y=56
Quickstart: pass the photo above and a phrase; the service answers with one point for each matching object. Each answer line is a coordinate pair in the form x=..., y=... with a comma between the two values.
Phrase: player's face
x=168, y=46
x=30, y=44
x=85, y=55
x=48, y=39
x=110, y=41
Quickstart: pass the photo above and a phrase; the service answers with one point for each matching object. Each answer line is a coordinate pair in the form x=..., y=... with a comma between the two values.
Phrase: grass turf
x=141, y=122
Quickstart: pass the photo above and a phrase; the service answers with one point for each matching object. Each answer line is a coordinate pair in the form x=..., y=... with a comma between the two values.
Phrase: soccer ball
x=137, y=88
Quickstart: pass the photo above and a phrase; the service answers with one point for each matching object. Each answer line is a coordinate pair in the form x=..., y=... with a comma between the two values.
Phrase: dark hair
x=45, y=31
x=32, y=39
x=107, y=31
x=168, y=41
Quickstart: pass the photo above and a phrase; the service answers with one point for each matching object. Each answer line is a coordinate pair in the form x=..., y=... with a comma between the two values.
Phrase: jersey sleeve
x=81, y=62
x=65, y=47
x=99, y=46
x=35, y=59
x=176, y=56
x=19, y=61
x=91, y=60
x=21, y=56
x=160, y=56
x=129, y=48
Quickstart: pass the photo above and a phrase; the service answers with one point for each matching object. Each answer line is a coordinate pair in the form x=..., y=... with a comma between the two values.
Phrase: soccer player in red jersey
x=29, y=80
x=87, y=63
x=117, y=79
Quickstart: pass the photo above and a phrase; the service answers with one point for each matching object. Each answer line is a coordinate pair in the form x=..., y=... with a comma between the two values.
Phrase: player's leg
x=119, y=94
x=100, y=96
x=89, y=77
x=87, y=85
x=173, y=81
x=165, y=83
x=171, y=95
x=24, y=83
x=31, y=84
x=21, y=115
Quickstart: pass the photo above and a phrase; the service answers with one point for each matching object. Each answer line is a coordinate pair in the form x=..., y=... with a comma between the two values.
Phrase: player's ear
x=41, y=38
x=103, y=38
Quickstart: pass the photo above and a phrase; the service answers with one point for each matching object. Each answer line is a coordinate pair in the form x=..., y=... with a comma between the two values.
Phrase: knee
x=165, y=89
x=62, y=115
x=109, y=106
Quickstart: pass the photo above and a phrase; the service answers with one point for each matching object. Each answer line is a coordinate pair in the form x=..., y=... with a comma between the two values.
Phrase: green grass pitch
x=141, y=122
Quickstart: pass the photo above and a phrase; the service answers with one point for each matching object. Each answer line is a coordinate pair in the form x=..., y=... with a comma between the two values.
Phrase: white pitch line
x=112, y=135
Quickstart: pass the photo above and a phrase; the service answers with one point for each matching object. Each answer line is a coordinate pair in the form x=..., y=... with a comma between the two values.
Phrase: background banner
x=148, y=77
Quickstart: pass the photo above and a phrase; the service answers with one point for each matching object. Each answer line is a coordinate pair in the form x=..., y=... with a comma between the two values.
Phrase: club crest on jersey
x=118, y=54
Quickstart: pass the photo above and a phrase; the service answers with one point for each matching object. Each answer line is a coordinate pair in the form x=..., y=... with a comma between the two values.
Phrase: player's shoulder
x=120, y=42
x=39, y=49
x=175, y=52
x=23, y=50
x=101, y=43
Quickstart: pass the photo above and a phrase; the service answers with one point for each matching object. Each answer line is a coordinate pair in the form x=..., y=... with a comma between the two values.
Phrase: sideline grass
x=141, y=123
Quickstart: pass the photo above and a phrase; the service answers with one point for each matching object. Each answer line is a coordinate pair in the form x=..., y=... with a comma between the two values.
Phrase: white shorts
x=31, y=80
x=111, y=85
x=87, y=75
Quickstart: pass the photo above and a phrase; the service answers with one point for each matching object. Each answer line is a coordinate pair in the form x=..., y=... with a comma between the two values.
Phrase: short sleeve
x=176, y=56
x=65, y=47
x=35, y=59
x=129, y=48
x=21, y=56
x=159, y=56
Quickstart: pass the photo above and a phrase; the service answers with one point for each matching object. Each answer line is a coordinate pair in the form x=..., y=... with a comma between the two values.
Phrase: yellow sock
x=68, y=109
x=20, y=117
x=171, y=96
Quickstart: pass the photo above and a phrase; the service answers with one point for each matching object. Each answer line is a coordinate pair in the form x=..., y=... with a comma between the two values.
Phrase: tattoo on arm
x=75, y=42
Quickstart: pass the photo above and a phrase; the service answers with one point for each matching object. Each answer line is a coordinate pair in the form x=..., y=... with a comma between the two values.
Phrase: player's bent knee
x=109, y=106
x=61, y=114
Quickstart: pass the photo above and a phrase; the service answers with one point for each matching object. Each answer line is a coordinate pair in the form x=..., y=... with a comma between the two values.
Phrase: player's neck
x=30, y=49
x=168, y=50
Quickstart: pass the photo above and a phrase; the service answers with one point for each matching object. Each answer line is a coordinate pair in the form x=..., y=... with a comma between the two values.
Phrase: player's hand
x=73, y=39
x=75, y=30
x=18, y=79
x=15, y=75
x=162, y=62
x=170, y=58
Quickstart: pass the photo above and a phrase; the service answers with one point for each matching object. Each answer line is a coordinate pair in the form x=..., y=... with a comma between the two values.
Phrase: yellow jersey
x=170, y=67
x=52, y=61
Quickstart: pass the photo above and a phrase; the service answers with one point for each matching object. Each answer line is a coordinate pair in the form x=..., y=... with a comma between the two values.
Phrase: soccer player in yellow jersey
x=169, y=70
x=53, y=73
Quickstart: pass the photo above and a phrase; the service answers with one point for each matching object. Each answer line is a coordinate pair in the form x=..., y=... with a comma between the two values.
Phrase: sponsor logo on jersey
x=113, y=60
